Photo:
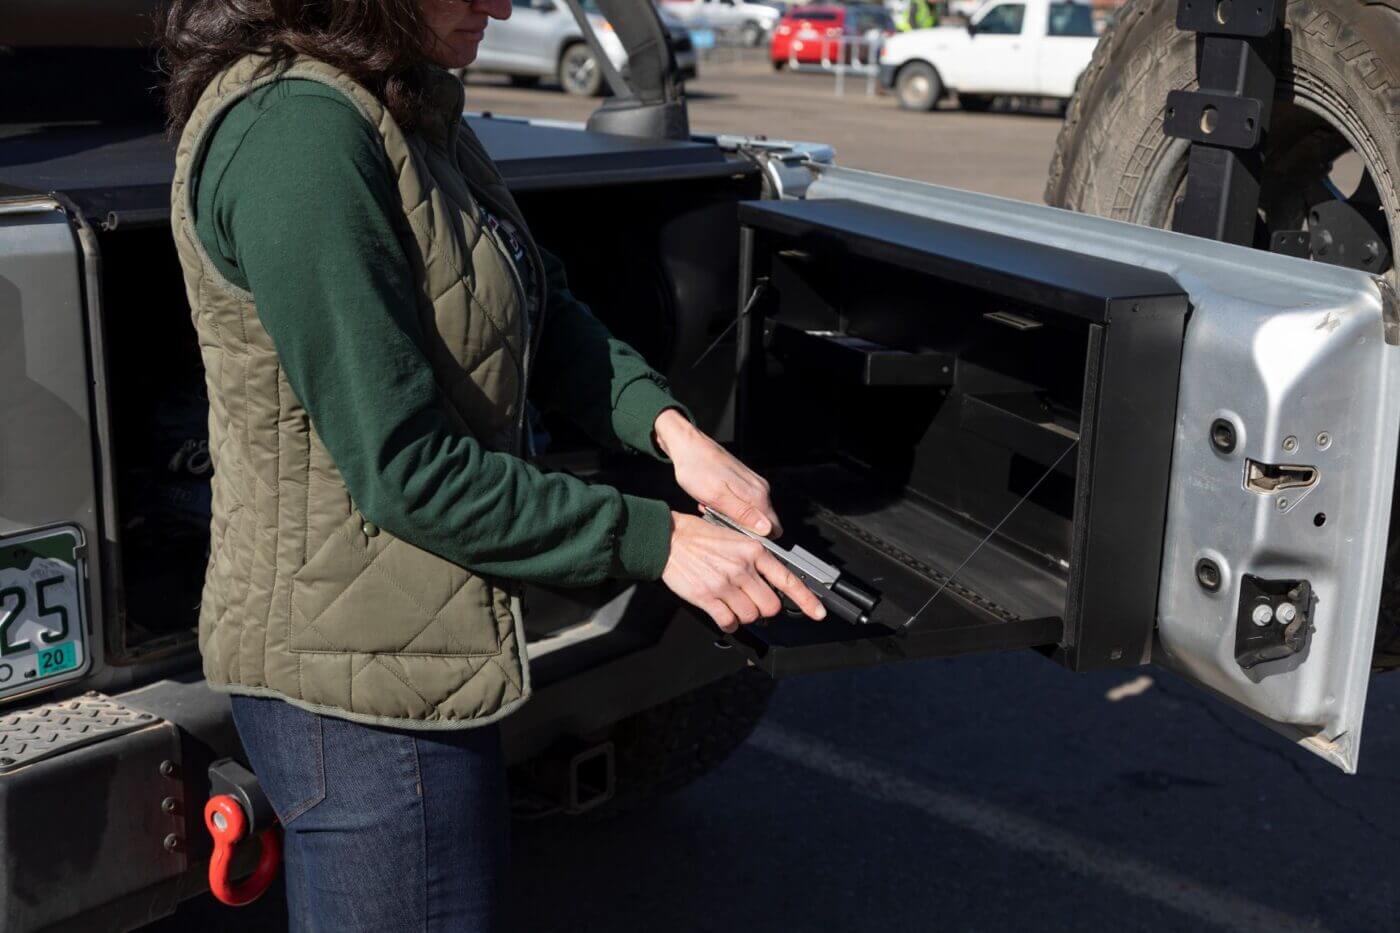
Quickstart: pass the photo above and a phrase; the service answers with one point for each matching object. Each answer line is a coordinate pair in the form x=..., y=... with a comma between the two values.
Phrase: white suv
x=542, y=39
x=751, y=20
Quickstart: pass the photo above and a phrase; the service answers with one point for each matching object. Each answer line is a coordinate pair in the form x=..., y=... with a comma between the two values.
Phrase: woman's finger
x=739, y=603
x=749, y=506
x=787, y=583
x=762, y=595
x=721, y=615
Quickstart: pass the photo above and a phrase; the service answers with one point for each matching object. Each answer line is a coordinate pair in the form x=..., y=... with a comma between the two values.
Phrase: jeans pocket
x=286, y=748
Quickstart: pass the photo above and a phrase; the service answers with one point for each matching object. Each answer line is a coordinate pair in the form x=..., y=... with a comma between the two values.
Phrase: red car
x=810, y=35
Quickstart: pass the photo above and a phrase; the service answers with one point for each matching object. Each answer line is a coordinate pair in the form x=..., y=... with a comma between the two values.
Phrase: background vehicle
x=921, y=372
x=810, y=35
x=1029, y=48
x=751, y=21
x=542, y=40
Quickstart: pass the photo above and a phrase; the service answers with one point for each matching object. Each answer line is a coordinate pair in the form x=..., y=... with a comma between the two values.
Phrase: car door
x=1000, y=56
x=526, y=43
x=997, y=425
x=1064, y=53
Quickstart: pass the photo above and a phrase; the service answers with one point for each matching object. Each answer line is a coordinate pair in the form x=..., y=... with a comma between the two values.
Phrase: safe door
x=976, y=428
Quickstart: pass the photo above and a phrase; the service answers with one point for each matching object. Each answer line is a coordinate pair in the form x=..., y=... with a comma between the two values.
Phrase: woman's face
x=455, y=28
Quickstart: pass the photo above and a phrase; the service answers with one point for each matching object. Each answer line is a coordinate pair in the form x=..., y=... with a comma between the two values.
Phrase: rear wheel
x=579, y=72
x=1331, y=160
x=918, y=87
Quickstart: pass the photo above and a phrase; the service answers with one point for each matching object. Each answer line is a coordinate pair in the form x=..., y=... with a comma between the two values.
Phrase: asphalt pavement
x=992, y=793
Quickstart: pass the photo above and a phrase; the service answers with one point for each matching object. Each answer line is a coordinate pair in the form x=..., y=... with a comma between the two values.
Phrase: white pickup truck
x=1027, y=48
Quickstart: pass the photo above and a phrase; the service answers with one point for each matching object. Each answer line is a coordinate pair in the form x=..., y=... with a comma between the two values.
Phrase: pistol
x=841, y=598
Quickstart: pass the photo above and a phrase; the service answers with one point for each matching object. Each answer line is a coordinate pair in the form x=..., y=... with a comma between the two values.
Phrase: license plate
x=702, y=39
x=43, y=625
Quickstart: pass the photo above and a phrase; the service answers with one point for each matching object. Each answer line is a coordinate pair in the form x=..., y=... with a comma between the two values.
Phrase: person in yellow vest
x=374, y=316
x=917, y=14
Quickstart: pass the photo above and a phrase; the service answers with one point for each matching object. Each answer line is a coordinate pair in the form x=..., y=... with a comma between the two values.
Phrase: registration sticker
x=43, y=625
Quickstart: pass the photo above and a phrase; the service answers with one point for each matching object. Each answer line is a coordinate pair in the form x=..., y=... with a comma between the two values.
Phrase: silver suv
x=541, y=39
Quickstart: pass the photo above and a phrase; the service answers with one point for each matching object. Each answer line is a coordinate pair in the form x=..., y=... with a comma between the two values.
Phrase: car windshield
x=1071, y=19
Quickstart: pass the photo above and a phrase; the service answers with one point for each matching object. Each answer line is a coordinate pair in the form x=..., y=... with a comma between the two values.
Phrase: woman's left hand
x=713, y=476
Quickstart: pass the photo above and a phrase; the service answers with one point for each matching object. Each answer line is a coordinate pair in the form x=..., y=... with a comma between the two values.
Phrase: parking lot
x=986, y=793
x=739, y=92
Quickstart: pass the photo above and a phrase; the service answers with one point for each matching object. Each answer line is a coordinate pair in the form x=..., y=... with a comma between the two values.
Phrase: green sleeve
x=599, y=382
x=301, y=210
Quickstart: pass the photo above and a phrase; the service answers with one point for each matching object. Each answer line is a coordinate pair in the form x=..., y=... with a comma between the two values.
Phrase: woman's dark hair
x=379, y=43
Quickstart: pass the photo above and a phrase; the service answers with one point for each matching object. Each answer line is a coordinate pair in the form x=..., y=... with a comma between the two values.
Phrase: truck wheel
x=975, y=103
x=667, y=747
x=579, y=73
x=1337, y=87
x=918, y=87
x=753, y=35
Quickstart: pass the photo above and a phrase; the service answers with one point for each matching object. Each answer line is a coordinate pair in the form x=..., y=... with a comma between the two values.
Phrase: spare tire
x=1338, y=93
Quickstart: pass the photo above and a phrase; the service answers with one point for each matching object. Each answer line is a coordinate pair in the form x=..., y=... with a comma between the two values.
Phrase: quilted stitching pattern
x=298, y=600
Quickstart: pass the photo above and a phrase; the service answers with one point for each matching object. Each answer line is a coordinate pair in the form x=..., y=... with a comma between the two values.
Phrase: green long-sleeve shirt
x=295, y=202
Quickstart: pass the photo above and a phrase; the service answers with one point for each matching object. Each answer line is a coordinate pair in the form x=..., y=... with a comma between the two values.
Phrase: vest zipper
x=522, y=295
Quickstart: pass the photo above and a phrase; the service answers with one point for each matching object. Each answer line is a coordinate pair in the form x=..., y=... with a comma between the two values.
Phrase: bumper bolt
x=1262, y=615
x=1290, y=443
x=167, y=768
x=1286, y=613
x=170, y=805
x=173, y=843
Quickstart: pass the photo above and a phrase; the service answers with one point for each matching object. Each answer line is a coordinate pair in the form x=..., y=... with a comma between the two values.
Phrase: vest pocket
x=365, y=591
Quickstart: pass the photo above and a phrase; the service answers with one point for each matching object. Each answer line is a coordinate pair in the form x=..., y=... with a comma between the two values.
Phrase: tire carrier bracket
x=1227, y=118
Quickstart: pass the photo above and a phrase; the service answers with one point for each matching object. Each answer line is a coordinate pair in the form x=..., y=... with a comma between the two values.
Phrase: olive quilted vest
x=303, y=598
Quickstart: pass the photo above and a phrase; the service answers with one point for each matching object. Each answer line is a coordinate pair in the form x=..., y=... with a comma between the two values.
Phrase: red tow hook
x=229, y=826
x=229, y=818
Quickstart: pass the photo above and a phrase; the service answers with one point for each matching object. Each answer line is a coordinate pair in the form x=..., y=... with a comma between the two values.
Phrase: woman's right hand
x=730, y=577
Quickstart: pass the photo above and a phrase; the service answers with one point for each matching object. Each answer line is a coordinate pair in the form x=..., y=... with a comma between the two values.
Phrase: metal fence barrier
x=843, y=55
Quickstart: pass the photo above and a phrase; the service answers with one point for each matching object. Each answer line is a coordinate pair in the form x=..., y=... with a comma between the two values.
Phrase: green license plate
x=43, y=626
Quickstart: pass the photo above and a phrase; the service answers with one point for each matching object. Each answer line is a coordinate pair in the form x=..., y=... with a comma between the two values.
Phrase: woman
x=371, y=309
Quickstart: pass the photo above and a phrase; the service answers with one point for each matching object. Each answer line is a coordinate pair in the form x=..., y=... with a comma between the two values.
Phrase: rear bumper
x=109, y=835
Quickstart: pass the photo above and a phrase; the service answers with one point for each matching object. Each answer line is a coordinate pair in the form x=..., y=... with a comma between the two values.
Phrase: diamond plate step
x=44, y=731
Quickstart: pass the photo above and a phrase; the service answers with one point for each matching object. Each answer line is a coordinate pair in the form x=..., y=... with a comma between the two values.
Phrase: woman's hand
x=714, y=477
x=730, y=577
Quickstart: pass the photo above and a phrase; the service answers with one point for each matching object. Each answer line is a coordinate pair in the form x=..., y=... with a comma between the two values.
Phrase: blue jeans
x=384, y=829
